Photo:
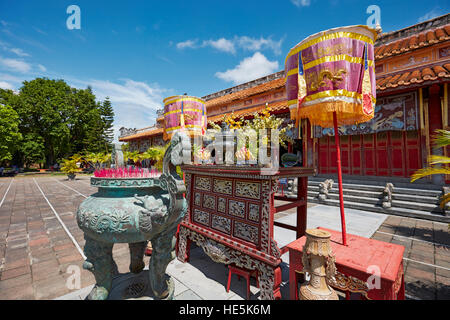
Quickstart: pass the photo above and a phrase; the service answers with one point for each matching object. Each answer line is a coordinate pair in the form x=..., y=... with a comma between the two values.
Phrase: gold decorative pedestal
x=318, y=261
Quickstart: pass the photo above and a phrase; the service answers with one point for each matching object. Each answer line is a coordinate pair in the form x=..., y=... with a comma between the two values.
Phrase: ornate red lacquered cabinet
x=230, y=216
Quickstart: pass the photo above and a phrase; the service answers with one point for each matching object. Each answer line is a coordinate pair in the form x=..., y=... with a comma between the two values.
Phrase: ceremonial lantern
x=184, y=113
x=331, y=80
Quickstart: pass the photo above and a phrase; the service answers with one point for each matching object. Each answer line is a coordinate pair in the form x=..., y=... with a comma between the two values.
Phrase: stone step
x=335, y=189
x=351, y=186
x=415, y=198
x=380, y=181
x=392, y=211
x=378, y=195
x=418, y=192
x=375, y=188
x=352, y=198
x=416, y=205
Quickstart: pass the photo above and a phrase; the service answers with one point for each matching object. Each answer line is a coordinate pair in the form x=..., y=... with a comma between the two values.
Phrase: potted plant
x=70, y=167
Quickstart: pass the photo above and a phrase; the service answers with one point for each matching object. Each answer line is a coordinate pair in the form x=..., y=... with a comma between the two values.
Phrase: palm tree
x=156, y=154
x=135, y=156
x=437, y=164
x=97, y=159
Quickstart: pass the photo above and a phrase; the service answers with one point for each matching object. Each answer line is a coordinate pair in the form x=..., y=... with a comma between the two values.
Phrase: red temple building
x=413, y=73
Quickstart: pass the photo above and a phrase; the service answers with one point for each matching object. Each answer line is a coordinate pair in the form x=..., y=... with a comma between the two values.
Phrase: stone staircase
x=410, y=200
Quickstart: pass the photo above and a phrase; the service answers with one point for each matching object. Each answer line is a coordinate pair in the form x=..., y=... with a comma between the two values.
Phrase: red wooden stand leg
x=277, y=282
x=401, y=291
x=302, y=193
x=229, y=280
x=293, y=284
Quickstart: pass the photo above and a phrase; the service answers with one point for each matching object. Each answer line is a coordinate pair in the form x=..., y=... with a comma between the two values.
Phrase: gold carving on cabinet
x=223, y=186
x=202, y=183
x=248, y=189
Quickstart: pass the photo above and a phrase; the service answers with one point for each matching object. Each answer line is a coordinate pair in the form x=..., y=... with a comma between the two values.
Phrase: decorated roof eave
x=141, y=135
x=246, y=93
x=424, y=39
x=409, y=87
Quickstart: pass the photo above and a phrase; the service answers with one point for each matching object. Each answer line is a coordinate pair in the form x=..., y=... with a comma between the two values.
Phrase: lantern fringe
x=322, y=113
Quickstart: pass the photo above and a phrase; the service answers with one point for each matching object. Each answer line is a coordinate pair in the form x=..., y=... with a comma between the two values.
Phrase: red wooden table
x=358, y=265
x=231, y=217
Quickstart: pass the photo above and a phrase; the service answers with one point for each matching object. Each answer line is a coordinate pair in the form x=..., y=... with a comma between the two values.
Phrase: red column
x=434, y=123
x=434, y=109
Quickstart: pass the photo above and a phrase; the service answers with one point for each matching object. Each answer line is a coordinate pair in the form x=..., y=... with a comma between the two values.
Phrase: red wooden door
x=382, y=154
x=369, y=154
x=345, y=154
x=355, y=151
x=397, y=158
x=332, y=162
x=323, y=154
x=412, y=153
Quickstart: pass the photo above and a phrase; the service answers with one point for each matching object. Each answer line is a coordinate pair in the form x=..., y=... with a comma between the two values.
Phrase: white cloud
x=187, y=44
x=42, y=68
x=430, y=15
x=19, y=52
x=249, y=69
x=15, y=65
x=5, y=46
x=253, y=44
x=301, y=3
x=230, y=45
x=221, y=44
x=6, y=85
x=134, y=102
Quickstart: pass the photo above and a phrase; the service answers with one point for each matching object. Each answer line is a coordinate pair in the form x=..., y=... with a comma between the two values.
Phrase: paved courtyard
x=41, y=245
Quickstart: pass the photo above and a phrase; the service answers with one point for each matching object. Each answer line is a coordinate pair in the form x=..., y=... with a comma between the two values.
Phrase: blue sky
x=139, y=52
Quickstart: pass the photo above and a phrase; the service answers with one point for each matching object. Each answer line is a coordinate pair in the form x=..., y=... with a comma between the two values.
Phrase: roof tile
x=412, y=42
x=144, y=134
x=242, y=94
x=414, y=76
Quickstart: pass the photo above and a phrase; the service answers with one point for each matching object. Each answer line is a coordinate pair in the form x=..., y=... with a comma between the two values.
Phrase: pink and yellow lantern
x=333, y=71
x=331, y=81
x=184, y=113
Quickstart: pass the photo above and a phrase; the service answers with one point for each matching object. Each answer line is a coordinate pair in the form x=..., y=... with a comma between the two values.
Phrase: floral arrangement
x=201, y=153
x=244, y=154
x=261, y=120
x=126, y=173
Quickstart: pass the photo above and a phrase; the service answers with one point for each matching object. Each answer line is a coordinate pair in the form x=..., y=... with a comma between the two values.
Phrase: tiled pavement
x=35, y=251
x=426, y=257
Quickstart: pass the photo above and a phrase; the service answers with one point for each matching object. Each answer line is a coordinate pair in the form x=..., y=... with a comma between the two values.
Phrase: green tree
x=44, y=111
x=32, y=149
x=9, y=132
x=58, y=120
x=107, y=115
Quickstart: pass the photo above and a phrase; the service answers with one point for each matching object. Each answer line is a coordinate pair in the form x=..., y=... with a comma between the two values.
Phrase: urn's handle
x=179, y=149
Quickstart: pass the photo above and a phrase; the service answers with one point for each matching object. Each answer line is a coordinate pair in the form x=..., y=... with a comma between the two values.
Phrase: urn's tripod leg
x=163, y=253
x=137, y=256
x=184, y=245
x=100, y=262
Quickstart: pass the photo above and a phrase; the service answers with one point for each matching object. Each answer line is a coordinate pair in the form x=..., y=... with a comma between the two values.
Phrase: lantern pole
x=341, y=194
